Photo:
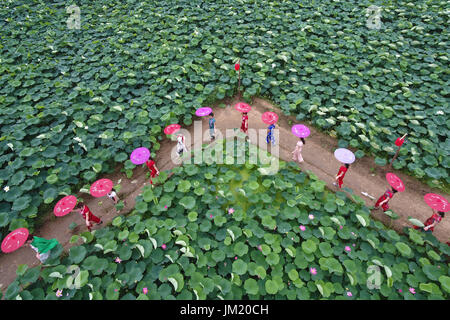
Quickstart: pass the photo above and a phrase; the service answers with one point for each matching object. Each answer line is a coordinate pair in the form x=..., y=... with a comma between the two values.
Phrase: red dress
x=90, y=215
x=244, y=124
x=431, y=220
x=151, y=166
x=387, y=195
x=342, y=169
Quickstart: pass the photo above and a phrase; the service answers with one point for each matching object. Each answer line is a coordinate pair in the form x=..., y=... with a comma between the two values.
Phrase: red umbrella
x=437, y=202
x=101, y=187
x=65, y=206
x=269, y=117
x=242, y=107
x=15, y=240
x=172, y=128
x=395, y=182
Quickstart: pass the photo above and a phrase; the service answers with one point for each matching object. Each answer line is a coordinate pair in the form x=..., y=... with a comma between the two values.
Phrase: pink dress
x=297, y=153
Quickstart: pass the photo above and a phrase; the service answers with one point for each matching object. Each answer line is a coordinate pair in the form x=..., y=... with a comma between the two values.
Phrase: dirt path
x=318, y=156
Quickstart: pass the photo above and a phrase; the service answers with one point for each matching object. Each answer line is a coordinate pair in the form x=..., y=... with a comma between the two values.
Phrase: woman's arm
x=431, y=225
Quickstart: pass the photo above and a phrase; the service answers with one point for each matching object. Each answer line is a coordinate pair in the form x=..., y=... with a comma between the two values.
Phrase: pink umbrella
x=140, y=155
x=395, y=182
x=344, y=155
x=101, y=187
x=172, y=128
x=269, y=117
x=300, y=130
x=201, y=112
x=437, y=202
x=65, y=206
x=15, y=240
x=242, y=107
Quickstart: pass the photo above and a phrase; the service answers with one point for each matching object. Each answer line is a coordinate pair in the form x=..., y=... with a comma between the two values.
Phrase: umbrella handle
x=404, y=136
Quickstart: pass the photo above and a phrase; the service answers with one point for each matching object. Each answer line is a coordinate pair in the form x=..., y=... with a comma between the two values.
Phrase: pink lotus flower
x=165, y=207
x=302, y=228
x=58, y=293
x=145, y=290
x=115, y=290
x=217, y=197
x=354, y=234
x=164, y=247
x=400, y=290
x=211, y=216
x=354, y=245
x=313, y=271
x=348, y=249
x=311, y=217
x=230, y=211
x=118, y=260
x=340, y=227
x=349, y=294
x=412, y=290
x=235, y=258
x=259, y=248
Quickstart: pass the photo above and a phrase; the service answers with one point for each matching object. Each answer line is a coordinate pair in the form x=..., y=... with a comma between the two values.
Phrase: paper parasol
x=395, y=182
x=242, y=107
x=201, y=112
x=65, y=206
x=15, y=240
x=269, y=117
x=344, y=155
x=172, y=128
x=140, y=155
x=300, y=130
x=437, y=202
x=101, y=187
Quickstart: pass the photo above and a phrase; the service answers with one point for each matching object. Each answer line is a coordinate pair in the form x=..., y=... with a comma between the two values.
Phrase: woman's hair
x=347, y=165
x=442, y=214
x=79, y=205
x=393, y=190
x=245, y=113
x=303, y=140
x=211, y=114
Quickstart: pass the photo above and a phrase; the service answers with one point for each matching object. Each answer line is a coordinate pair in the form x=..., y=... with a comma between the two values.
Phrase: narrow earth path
x=318, y=156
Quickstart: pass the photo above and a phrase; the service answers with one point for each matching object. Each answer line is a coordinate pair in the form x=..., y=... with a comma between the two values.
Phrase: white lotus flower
x=77, y=139
x=86, y=127
x=440, y=112
x=6, y=189
x=11, y=146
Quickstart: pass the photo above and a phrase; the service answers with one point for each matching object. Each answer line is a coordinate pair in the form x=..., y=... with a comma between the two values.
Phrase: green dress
x=44, y=245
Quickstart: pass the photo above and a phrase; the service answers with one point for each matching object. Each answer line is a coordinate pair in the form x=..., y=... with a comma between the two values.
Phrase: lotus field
x=78, y=96
x=230, y=232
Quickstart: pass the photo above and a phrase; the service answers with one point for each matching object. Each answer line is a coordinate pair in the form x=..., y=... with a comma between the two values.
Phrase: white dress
x=180, y=145
x=297, y=153
x=112, y=194
x=43, y=256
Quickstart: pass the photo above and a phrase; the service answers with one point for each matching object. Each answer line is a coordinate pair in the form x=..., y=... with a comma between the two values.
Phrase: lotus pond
x=232, y=232
x=75, y=102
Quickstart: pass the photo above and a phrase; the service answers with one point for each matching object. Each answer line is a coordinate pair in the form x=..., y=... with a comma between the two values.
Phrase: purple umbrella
x=203, y=111
x=140, y=155
x=344, y=155
x=301, y=130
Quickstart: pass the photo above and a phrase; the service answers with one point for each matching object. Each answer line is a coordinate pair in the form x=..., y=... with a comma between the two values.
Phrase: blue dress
x=270, y=136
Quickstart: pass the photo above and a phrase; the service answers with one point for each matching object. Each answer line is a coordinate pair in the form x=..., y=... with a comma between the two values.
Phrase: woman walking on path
x=244, y=124
x=432, y=221
x=154, y=172
x=384, y=199
x=87, y=215
x=42, y=247
x=341, y=174
x=297, y=153
x=270, y=136
x=212, y=126
x=180, y=145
